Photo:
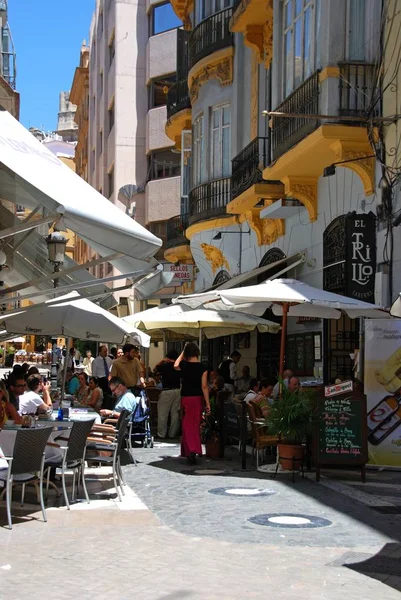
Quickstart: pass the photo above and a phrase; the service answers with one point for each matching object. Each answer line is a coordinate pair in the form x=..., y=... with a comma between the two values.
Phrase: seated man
x=125, y=399
x=253, y=390
x=30, y=402
x=243, y=383
x=293, y=384
x=286, y=377
x=264, y=398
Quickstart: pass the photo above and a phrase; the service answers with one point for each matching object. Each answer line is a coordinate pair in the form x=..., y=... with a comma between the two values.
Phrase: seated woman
x=264, y=398
x=7, y=410
x=95, y=394
x=82, y=392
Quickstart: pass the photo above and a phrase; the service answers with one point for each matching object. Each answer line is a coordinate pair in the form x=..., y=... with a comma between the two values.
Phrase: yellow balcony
x=254, y=19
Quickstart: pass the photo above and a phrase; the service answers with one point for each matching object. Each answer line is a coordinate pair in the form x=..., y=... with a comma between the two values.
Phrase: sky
x=47, y=36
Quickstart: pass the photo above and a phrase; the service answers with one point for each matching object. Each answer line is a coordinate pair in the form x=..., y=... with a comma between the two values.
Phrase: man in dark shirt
x=170, y=398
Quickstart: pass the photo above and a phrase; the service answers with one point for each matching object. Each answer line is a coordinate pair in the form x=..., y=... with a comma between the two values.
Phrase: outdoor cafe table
x=8, y=434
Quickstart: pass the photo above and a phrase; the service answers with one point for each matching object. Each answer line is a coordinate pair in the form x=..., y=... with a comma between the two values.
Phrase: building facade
x=131, y=160
x=272, y=95
x=66, y=125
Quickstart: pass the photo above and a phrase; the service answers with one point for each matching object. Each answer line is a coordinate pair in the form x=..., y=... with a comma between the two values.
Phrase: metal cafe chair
x=73, y=458
x=26, y=465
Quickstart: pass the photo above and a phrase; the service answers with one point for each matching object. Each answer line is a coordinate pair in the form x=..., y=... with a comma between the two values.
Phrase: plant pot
x=212, y=449
x=291, y=456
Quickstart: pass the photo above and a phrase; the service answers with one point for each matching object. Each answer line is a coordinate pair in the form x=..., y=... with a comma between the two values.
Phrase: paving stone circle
x=290, y=521
x=242, y=492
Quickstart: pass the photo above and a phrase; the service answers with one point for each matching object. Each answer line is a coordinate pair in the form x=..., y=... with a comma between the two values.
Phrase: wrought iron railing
x=159, y=229
x=178, y=97
x=176, y=227
x=211, y=34
x=209, y=200
x=359, y=92
x=248, y=165
x=288, y=131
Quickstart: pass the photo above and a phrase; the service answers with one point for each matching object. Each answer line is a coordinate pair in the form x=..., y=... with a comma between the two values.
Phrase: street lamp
x=56, y=245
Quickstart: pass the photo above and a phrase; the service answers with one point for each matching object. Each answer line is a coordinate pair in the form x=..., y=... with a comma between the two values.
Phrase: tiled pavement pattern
x=192, y=544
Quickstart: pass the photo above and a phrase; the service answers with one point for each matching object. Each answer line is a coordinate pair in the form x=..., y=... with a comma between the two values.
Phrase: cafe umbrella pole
x=286, y=306
x=65, y=367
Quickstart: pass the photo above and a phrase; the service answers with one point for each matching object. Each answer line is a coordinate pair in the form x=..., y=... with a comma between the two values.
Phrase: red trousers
x=191, y=441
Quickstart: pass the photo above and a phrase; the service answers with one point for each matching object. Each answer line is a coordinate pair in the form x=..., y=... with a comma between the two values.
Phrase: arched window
x=221, y=277
x=272, y=256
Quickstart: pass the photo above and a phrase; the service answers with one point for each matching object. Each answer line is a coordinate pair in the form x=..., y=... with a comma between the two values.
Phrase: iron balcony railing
x=211, y=34
x=176, y=227
x=209, y=200
x=288, y=131
x=159, y=229
x=178, y=98
x=359, y=90
x=248, y=165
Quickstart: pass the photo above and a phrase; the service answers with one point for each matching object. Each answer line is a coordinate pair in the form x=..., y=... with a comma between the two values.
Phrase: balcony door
x=220, y=142
x=206, y=8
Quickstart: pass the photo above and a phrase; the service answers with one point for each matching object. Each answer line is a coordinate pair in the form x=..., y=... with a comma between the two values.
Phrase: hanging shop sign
x=360, y=256
x=182, y=273
x=383, y=390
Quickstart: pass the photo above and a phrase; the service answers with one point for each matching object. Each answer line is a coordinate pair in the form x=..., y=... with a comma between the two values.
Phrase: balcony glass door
x=220, y=145
x=299, y=41
x=206, y=8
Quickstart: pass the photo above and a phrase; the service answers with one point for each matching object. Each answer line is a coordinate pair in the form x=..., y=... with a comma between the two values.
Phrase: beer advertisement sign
x=383, y=390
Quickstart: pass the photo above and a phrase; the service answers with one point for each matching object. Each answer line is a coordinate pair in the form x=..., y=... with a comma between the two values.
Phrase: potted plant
x=290, y=418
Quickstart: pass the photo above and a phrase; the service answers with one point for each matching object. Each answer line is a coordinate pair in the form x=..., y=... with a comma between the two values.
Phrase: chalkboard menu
x=341, y=432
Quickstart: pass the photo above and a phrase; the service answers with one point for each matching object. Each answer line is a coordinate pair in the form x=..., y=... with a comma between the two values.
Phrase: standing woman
x=194, y=392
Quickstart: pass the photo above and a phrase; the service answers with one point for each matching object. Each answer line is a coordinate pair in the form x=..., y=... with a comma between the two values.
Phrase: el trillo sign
x=361, y=256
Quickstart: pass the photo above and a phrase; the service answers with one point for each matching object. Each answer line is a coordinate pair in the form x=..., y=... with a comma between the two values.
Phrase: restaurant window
x=300, y=353
x=158, y=90
x=220, y=155
x=299, y=41
x=197, y=153
x=163, y=18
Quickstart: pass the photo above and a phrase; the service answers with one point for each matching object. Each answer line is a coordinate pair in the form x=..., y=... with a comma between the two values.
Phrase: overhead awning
x=30, y=174
x=287, y=263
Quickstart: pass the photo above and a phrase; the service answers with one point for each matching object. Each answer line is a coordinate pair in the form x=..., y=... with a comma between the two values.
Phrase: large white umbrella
x=72, y=316
x=287, y=297
x=181, y=319
x=395, y=310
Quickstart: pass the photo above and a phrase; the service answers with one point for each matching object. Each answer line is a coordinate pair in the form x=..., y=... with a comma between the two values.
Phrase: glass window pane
x=226, y=115
x=298, y=6
x=356, y=45
x=307, y=43
x=226, y=152
x=164, y=18
x=288, y=63
x=298, y=57
x=216, y=157
x=288, y=13
x=216, y=118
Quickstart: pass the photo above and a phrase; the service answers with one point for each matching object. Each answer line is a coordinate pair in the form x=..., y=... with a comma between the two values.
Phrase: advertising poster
x=383, y=390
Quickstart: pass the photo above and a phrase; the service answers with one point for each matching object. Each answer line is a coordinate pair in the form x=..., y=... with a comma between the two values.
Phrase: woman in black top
x=194, y=392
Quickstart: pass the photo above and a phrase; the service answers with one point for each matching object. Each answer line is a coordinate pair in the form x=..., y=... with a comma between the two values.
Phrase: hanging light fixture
x=56, y=245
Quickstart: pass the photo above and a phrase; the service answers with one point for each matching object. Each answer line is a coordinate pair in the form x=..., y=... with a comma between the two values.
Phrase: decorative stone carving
x=303, y=189
x=215, y=257
x=222, y=70
x=254, y=19
x=253, y=38
x=268, y=41
x=267, y=230
x=364, y=168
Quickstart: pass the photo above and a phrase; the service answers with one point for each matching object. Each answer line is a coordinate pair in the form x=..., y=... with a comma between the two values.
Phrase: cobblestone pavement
x=184, y=533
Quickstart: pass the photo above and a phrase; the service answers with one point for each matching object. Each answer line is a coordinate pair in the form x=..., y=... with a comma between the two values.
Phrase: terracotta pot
x=287, y=454
x=212, y=449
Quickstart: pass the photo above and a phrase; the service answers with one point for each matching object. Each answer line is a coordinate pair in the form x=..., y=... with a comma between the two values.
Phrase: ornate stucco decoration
x=364, y=168
x=303, y=189
x=267, y=230
x=215, y=257
x=254, y=19
x=216, y=66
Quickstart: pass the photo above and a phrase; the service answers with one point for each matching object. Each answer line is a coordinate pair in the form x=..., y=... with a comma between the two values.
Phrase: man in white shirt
x=87, y=363
x=30, y=402
x=286, y=377
x=253, y=391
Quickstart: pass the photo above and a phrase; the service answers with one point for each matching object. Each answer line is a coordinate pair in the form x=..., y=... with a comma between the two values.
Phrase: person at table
x=253, y=391
x=243, y=383
x=287, y=374
x=169, y=401
x=128, y=368
x=101, y=367
x=31, y=402
x=125, y=399
x=87, y=363
x=82, y=392
x=228, y=370
x=293, y=384
x=194, y=393
x=95, y=394
x=7, y=410
x=72, y=382
x=16, y=386
x=265, y=397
